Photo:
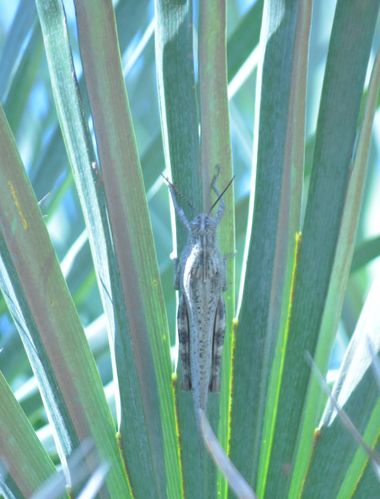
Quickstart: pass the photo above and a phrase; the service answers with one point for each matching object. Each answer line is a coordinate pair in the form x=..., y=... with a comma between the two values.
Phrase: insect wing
x=184, y=342
x=217, y=345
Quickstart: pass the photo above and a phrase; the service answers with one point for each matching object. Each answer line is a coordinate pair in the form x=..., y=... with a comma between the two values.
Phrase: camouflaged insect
x=200, y=277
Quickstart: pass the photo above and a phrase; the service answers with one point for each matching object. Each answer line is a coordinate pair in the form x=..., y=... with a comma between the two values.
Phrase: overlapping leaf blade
x=347, y=61
x=47, y=321
x=25, y=463
x=275, y=202
x=148, y=423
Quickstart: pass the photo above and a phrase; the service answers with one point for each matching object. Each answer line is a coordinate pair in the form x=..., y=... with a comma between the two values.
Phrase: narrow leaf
x=270, y=246
x=347, y=61
x=355, y=391
x=26, y=463
x=48, y=323
x=148, y=434
x=235, y=480
x=338, y=278
x=216, y=150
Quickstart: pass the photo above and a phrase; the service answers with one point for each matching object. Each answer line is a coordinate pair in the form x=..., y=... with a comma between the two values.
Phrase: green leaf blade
x=270, y=245
x=48, y=323
x=27, y=465
x=338, y=278
x=330, y=175
x=142, y=342
x=216, y=151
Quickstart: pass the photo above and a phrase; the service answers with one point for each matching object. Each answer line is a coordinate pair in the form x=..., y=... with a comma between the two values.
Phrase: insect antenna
x=221, y=194
x=177, y=191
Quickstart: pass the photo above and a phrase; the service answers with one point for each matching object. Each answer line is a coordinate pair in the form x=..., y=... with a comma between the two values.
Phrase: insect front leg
x=184, y=342
x=217, y=345
x=180, y=213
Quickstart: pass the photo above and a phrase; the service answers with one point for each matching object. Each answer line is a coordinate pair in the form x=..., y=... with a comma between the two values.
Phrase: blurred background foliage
x=25, y=93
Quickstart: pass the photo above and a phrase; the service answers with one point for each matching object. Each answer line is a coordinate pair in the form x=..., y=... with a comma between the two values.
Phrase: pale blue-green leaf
x=25, y=463
x=275, y=207
x=24, y=22
x=347, y=61
x=338, y=278
x=147, y=426
x=355, y=390
x=37, y=297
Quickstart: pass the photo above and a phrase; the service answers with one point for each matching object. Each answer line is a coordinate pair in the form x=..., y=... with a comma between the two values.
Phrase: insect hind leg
x=217, y=345
x=184, y=343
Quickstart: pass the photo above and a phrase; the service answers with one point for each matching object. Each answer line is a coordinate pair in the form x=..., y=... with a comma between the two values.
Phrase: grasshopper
x=200, y=277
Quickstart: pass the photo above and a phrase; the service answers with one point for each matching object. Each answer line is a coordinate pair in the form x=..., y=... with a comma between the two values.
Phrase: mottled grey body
x=201, y=279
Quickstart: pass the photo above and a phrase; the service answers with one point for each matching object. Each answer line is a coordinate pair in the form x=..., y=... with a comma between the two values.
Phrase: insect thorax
x=203, y=230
